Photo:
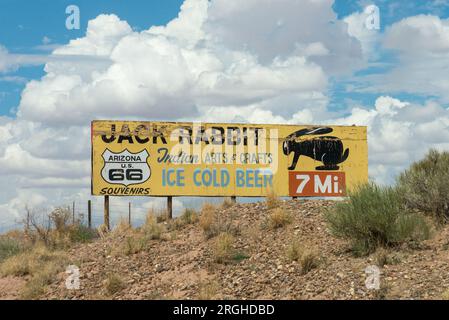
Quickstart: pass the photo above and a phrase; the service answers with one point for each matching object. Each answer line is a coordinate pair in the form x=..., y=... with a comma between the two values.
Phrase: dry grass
x=102, y=231
x=382, y=293
x=151, y=229
x=227, y=203
x=189, y=216
x=272, y=199
x=278, y=218
x=253, y=233
x=114, y=284
x=40, y=264
x=294, y=251
x=207, y=290
x=307, y=257
x=309, y=260
x=384, y=257
x=214, y=224
x=161, y=215
x=207, y=218
x=223, y=250
x=445, y=295
x=56, y=229
x=10, y=246
x=136, y=240
x=122, y=227
x=381, y=257
x=132, y=244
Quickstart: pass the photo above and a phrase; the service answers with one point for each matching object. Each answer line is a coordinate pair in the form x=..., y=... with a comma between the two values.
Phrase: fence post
x=106, y=213
x=89, y=214
x=129, y=213
x=73, y=212
x=234, y=199
x=28, y=220
x=170, y=207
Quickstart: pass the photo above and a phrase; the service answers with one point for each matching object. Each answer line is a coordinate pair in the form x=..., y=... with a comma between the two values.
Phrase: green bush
x=425, y=185
x=374, y=217
x=81, y=233
x=9, y=247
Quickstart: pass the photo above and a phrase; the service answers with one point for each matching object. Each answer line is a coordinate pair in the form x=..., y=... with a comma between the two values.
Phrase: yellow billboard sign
x=132, y=158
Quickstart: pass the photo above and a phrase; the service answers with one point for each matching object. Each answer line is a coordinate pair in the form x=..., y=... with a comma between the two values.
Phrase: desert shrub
x=425, y=185
x=151, y=229
x=80, y=233
x=189, y=216
x=114, y=284
x=65, y=238
x=207, y=216
x=307, y=256
x=9, y=247
x=213, y=224
x=55, y=229
x=278, y=218
x=309, y=260
x=132, y=244
x=60, y=217
x=136, y=240
x=223, y=248
x=294, y=251
x=272, y=199
x=374, y=216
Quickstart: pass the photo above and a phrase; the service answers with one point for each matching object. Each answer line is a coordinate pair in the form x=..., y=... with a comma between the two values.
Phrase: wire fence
x=120, y=209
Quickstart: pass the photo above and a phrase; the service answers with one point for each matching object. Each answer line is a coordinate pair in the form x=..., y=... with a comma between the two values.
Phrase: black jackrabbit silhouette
x=327, y=149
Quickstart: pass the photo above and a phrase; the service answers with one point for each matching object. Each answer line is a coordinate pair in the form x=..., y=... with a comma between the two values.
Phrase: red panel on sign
x=317, y=184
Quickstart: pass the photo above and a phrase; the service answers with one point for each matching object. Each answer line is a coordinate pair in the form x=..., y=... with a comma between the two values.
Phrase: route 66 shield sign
x=125, y=168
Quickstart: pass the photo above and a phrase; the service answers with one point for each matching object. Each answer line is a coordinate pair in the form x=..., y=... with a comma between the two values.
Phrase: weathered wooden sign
x=215, y=159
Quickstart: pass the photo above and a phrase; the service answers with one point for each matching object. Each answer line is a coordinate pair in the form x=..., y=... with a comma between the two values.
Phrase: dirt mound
x=181, y=264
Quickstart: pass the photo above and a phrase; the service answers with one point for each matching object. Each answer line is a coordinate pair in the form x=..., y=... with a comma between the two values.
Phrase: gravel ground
x=181, y=264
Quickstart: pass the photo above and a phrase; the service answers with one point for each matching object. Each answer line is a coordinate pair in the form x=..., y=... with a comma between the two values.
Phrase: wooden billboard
x=134, y=158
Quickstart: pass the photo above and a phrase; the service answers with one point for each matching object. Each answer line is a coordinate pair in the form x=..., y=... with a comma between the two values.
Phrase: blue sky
x=221, y=61
x=24, y=24
x=23, y=32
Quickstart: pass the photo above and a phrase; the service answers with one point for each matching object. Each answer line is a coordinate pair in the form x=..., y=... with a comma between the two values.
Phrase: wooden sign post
x=170, y=207
x=89, y=214
x=129, y=214
x=106, y=213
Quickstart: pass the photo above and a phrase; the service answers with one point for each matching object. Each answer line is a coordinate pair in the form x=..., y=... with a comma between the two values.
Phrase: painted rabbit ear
x=320, y=130
x=310, y=131
x=299, y=133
